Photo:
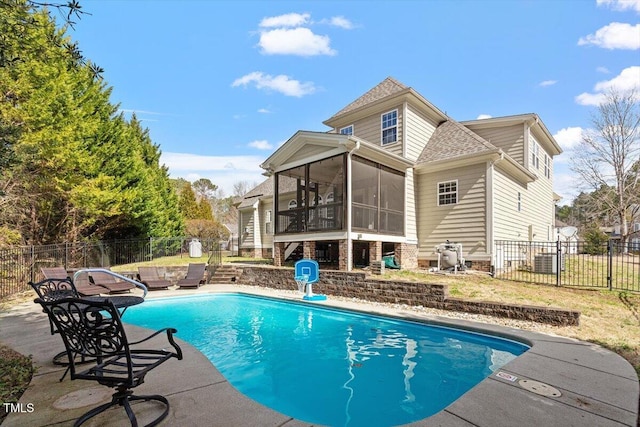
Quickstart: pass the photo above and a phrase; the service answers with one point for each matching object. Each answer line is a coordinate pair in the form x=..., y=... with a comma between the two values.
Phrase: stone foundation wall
x=359, y=285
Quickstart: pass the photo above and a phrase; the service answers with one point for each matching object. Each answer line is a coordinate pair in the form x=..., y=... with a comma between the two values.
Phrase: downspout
x=349, y=201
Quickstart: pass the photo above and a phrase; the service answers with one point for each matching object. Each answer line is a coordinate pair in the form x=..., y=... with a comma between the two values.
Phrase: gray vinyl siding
x=370, y=129
x=510, y=139
x=267, y=238
x=307, y=151
x=537, y=209
x=509, y=224
x=464, y=222
x=419, y=130
x=246, y=221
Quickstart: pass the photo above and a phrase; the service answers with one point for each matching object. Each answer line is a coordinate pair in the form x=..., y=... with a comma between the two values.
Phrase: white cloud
x=261, y=144
x=286, y=20
x=616, y=35
x=280, y=83
x=569, y=138
x=590, y=98
x=294, y=41
x=566, y=184
x=339, y=21
x=620, y=5
x=603, y=70
x=546, y=83
x=264, y=111
x=627, y=80
x=223, y=171
x=483, y=116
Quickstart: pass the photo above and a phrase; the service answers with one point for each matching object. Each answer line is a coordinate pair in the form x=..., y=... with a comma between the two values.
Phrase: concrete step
x=225, y=274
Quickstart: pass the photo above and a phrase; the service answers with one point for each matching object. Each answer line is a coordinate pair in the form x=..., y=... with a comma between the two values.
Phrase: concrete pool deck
x=558, y=382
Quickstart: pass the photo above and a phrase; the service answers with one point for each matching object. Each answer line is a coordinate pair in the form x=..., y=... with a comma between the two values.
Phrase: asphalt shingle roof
x=265, y=189
x=387, y=87
x=450, y=140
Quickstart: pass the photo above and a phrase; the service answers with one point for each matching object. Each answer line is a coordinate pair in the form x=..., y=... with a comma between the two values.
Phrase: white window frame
x=446, y=193
x=547, y=165
x=519, y=201
x=347, y=130
x=534, y=153
x=383, y=128
x=267, y=222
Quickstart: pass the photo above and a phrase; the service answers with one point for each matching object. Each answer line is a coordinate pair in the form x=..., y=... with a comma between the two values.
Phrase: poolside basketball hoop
x=302, y=282
x=307, y=272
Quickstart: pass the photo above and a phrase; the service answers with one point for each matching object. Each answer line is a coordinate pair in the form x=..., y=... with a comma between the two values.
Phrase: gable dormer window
x=347, y=130
x=390, y=127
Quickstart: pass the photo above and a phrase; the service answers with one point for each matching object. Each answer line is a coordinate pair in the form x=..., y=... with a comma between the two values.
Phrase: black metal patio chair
x=52, y=289
x=94, y=329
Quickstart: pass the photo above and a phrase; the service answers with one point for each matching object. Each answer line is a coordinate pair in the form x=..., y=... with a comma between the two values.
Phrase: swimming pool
x=329, y=366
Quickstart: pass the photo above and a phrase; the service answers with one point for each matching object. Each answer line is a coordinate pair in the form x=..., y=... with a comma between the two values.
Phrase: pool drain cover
x=540, y=388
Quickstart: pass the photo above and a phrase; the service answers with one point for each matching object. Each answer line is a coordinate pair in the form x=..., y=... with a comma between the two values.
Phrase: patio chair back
x=52, y=289
x=196, y=271
x=54, y=272
x=89, y=328
x=149, y=273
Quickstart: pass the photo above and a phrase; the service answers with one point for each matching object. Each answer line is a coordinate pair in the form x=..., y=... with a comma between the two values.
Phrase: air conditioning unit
x=547, y=263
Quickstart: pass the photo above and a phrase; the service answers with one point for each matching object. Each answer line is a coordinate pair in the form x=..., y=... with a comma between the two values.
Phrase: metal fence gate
x=611, y=265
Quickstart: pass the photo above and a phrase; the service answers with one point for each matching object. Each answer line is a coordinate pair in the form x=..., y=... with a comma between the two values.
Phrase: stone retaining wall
x=358, y=285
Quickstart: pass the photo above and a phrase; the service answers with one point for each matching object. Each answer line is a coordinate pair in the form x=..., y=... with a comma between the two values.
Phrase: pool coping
x=597, y=387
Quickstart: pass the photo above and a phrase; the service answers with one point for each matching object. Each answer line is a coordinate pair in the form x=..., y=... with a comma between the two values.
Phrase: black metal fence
x=21, y=264
x=611, y=265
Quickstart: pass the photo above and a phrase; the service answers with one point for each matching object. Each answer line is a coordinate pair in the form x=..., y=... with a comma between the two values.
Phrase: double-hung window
x=267, y=222
x=547, y=165
x=534, y=154
x=447, y=193
x=347, y=130
x=390, y=127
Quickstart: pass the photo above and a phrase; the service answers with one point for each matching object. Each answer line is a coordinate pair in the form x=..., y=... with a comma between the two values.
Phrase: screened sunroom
x=312, y=197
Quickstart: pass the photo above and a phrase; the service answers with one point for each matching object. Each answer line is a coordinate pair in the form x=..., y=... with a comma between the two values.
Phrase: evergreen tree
x=72, y=167
x=188, y=204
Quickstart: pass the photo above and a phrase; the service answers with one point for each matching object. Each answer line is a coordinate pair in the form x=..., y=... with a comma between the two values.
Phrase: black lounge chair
x=110, y=282
x=150, y=277
x=195, y=276
x=94, y=329
x=84, y=288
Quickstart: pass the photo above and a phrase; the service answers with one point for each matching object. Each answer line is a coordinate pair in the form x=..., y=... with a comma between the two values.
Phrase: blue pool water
x=330, y=367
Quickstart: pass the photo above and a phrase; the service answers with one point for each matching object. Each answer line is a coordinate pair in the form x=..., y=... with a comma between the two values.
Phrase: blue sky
x=221, y=84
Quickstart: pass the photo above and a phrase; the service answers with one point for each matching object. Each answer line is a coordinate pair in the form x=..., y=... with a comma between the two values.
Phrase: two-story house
x=396, y=174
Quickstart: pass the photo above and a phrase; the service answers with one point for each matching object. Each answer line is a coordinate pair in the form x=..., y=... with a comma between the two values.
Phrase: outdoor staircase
x=293, y=251
x=225, y=273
